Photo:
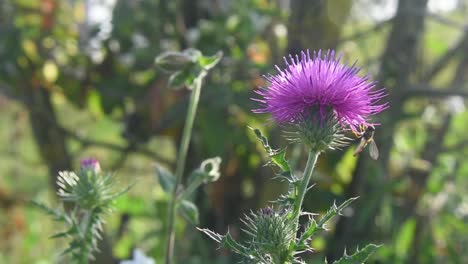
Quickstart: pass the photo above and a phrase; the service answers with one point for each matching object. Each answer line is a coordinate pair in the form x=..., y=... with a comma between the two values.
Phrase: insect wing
x=373, y=150
x=360, y=147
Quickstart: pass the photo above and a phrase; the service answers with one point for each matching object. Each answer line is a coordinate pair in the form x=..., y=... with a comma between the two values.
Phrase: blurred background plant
x=77, y=79
x=86, y=198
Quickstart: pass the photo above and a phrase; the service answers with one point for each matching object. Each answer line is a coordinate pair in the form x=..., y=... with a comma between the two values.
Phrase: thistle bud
x=270, y=233
x=90, y=164
x=210, y=169
x=172, y=61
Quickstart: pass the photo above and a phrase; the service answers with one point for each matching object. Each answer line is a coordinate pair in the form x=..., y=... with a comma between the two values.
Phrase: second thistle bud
x=271, y=233
x=91, y=164
x=89, y=188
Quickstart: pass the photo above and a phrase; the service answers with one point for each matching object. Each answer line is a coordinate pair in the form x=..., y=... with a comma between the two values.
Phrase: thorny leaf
x=360, y=256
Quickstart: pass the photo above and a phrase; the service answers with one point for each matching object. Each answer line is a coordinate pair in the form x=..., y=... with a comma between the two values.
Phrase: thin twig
x=5, y=90
x=377, y=27
x=91, y=142
x=445, y=59
x=430, y=91
x=458, y=146
x=446, y=21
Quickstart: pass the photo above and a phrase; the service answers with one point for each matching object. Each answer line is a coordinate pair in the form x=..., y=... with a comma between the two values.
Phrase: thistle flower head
x=320, y=92
x=91, y=164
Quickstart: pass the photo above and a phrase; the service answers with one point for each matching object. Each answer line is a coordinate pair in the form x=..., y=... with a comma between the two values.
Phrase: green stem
x=85, y=227
x=190, y=188
x=183, y=148
x=303, y=185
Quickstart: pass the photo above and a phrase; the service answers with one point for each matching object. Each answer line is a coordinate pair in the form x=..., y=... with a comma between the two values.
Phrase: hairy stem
x=85, y=224
x=190, y=189
x=182, y=155
x=304, y=183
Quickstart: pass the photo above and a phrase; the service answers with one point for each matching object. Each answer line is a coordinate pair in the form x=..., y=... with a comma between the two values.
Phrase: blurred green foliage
x=109, y=101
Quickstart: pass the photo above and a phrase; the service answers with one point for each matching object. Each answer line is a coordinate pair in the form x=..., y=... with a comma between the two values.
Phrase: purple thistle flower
x=321, y=84
x=90, y=164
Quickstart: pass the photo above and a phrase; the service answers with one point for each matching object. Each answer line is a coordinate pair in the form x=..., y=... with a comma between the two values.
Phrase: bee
x=366, y=134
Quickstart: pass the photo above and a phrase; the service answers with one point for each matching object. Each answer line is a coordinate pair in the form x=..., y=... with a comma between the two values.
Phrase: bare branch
x=438, y=18
x=115, y=147
x=125, y=150
x=430, y=91
x=377, y=27
x=6, y=91
x=458, y=146
x=444, y=59
x=446, y=21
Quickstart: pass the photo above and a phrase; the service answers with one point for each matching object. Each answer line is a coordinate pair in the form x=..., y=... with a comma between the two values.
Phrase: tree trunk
x=370, y=178
x=49, y=139
x=430, y=153
x=316, y=24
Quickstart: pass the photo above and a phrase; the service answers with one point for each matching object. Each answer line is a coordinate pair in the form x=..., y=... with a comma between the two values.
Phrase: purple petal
x=323, y=82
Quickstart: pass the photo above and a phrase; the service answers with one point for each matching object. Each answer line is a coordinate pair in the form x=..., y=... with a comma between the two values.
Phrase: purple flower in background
x=322, y=84
x=90, y=164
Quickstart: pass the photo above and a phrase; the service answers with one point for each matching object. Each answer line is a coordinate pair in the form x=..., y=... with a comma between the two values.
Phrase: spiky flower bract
x=270, y=233
x=89, y=188
x=319, y=88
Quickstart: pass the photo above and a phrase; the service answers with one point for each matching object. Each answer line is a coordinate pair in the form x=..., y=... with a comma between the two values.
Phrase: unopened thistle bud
x=210, y=167
x=91, y=164
x=271, y=233
x=89, y=188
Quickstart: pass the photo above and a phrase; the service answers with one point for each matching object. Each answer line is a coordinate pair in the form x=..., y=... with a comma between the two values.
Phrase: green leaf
x=207, y=172
x=172, y=61
x=57, y=214
x=278, y=157
x=61, y=234
x=334, y=210
x=193, y=54
x=190, y=211
x=186, y=66
x=230, y=243
x=182, y=78
x=72, y=231
x=315, y=227
x=309, y=232
x=360, y=256
x=227, y=241
x=94, y=103
x=405, y=238
x=213, y=235
x=208, y=62
x=165, y=178
x=118, y=194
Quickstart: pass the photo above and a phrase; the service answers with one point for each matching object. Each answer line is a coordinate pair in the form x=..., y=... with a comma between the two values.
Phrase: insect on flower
x=366, y=134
